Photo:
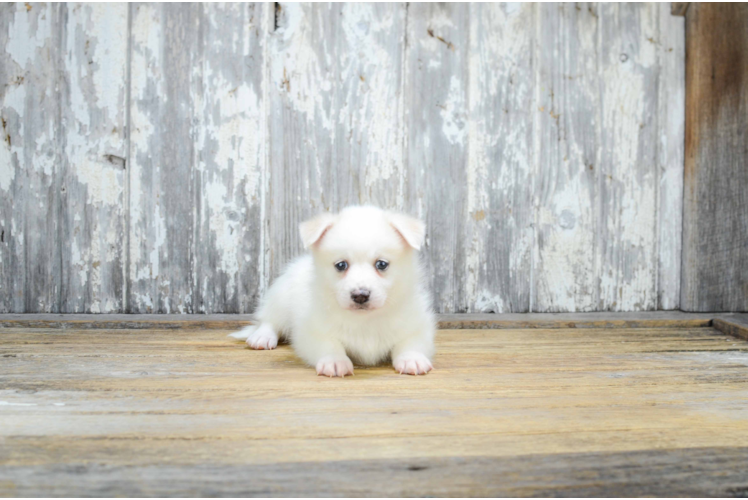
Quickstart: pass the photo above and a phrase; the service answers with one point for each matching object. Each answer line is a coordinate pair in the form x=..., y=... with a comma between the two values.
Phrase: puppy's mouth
x=361, y=307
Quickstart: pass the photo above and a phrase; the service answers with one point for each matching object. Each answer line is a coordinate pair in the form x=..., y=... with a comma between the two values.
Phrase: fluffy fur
x=313, y=303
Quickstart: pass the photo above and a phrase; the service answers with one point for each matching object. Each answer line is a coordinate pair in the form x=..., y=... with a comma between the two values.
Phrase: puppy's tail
x=244, y=333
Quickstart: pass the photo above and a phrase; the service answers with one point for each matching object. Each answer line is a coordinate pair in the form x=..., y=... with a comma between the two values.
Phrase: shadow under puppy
x=357, y=296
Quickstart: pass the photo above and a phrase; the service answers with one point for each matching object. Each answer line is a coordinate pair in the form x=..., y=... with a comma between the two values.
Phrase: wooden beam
x=679, y=8
x=736, y=326
x=715, y=211
x=658, y=319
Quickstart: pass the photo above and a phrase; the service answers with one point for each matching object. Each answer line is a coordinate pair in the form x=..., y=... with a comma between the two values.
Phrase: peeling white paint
x=28, y=33
x=486, y=302
x=13, y=99
x=299, y=72
x=238, y=132
x=499, y=156
x=671, y=156
x=453, y=113
x=94, y=59
x=147, y=226
x=225, y=231
x=628, y=268
x=369, y=71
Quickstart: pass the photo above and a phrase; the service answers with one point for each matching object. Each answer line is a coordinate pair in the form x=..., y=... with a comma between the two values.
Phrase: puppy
x=358, y=296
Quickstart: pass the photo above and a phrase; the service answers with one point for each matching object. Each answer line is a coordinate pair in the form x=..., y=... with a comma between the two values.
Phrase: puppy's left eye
x=381, y=264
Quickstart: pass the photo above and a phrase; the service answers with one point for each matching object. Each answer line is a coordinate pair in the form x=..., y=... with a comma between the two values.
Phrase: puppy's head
x=363, y=255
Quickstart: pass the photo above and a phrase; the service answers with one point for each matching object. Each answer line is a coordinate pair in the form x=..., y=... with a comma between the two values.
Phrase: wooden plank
x=635, y=411
x=93, y=163
x=436, y=103
x=697, y=472
x=335, y=107
x=669, y=319
x=198, y=158
x=230, y=143
x=671, y=57
x=573, y=320
x=568, y=128
x=30, y=160
x=499, y=220
x=126, y=321
x=679, y=8
x=163, y=185
x=735, y=325
x=627, y=178
x=12, y=99
x=715, y=214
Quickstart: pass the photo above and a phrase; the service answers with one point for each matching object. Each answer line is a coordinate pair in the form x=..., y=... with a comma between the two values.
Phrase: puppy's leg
x=325, y=354
x=264, y=337
x=412, y=355
x=260, y=337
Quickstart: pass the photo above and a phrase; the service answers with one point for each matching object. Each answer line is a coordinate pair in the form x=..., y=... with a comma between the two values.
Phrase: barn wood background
x=157, y=158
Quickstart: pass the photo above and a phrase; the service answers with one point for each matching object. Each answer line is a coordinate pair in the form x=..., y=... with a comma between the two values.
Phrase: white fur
x=311, y=302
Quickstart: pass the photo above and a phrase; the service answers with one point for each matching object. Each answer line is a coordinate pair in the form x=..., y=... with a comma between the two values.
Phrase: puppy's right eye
x=341, y=266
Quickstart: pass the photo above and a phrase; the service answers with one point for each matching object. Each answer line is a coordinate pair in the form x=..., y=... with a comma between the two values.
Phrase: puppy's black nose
x=360, y=296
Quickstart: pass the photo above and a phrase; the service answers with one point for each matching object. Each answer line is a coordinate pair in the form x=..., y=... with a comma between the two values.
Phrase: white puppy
x=359, y=295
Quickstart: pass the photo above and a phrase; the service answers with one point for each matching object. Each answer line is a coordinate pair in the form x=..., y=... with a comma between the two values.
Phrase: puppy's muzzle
x=360, y=296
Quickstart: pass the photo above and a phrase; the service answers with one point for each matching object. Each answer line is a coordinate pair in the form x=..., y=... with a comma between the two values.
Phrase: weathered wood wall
x=158, y=157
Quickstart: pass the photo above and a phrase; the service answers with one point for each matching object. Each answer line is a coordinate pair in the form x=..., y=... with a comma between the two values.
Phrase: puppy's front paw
x=412, y=363
x=332, y=366
x=263, y=338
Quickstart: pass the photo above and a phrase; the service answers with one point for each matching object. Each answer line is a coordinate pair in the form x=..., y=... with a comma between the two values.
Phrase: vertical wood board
x=498, y=236
x=715, y=210
x=671, y=49
x=628, y=177
x=30, y=157
x=94, y=157
x=230, y=141
x=568, y=137
x=436, y=101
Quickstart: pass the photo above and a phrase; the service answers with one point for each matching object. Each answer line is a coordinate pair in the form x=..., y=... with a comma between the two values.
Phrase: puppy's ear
x=409, y=228
x=314, y=229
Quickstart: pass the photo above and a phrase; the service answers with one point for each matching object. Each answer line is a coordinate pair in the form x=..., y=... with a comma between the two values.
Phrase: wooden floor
x=520, y=412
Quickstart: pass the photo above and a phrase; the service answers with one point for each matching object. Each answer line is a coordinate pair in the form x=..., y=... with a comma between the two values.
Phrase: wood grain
x=159, y=412
x=31, y=167
x=671, y=54
x=736, y=325
x=696, y=472
x=93, y=157
x=715, y=213
x=165, y=71
x=198, y=157
x=568, y=128
x=498, y=222
x=436, y=99
x=230, y=144
x=627, y=223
